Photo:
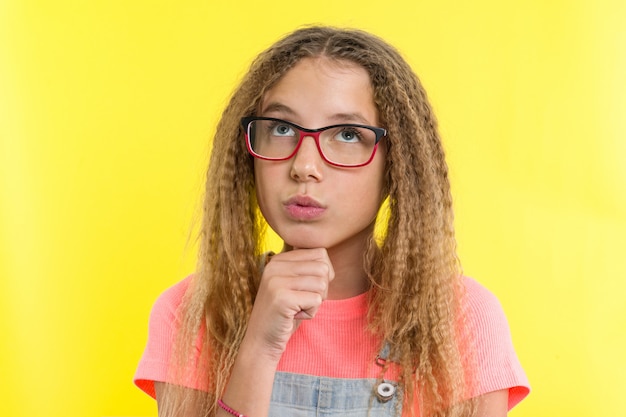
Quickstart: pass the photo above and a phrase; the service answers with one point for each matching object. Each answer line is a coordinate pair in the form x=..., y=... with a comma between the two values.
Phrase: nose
x=307, y=163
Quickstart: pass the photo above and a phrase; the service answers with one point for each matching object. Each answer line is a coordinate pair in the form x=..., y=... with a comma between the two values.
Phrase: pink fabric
x=154, y=362
x=348, y=350
x=498, y=365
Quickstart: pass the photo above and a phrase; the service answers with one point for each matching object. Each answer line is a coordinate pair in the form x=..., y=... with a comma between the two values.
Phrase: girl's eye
x=348, y=135
x=283, y=130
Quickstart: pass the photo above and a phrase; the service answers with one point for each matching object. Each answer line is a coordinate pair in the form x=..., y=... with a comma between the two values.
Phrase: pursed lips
x=303, y=208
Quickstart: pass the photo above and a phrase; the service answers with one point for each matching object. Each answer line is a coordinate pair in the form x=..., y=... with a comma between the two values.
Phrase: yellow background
x=106, y=110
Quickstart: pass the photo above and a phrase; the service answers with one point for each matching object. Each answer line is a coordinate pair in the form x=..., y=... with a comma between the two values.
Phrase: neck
x=347, y=259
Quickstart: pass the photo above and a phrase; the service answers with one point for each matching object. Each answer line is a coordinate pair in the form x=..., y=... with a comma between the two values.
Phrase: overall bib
x=297, y=395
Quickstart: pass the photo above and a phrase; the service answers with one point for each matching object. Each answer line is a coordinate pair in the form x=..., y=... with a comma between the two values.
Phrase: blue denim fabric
x=296, y=395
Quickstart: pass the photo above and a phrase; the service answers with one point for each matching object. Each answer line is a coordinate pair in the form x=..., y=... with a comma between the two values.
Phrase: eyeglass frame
x=315, y=134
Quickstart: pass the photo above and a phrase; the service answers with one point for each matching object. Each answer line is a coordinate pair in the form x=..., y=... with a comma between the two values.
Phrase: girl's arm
x=249, y=390
x=293, y=286
x=493, y=404
x=250, y=387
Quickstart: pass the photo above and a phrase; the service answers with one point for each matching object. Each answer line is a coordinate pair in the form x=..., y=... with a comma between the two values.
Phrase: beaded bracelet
x=228, y=409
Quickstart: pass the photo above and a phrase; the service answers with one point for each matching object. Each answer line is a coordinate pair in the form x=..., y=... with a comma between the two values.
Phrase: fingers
x=297, y=275
x=302, y=277
x=288, y=285
x=302, y=262
x=293, y=286
x=299, y=305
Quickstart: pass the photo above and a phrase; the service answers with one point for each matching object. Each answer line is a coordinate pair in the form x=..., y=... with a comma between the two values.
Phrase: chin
x=304, y=242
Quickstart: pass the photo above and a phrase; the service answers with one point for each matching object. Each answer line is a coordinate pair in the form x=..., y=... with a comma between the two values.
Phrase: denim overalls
x=297, y=395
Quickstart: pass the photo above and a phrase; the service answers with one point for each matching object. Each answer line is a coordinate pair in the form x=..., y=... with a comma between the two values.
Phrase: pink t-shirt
x=335, y=344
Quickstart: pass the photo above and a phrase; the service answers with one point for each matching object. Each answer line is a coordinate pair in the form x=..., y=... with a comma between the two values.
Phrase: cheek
x=379, y=178
x=259, y=184
x=266, y=185
x=363, y=195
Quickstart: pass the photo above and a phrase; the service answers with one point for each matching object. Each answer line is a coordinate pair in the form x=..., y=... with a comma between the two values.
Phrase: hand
x=293, y=286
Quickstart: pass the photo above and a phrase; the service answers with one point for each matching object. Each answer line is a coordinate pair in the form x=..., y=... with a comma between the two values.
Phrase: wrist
x=240, y=396
x=229, y=410
x=256, y=349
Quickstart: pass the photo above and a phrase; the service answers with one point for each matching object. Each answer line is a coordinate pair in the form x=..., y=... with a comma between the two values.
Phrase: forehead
x=324, y=87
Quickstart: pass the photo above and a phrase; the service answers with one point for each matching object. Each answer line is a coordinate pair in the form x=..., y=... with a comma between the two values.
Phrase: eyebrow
x=275, y=107
x=354, y=117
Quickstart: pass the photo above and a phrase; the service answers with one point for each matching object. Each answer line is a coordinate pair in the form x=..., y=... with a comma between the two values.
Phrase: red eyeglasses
x=343, y=145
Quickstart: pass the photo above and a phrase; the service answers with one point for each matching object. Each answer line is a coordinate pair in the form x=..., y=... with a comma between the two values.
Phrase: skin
x=323, y=256
x=314, y=94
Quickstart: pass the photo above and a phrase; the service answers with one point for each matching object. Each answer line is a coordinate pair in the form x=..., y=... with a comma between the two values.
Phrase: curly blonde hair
x=413, y=268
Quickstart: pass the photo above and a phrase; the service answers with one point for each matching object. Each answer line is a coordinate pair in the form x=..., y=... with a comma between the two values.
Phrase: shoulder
x=477, y=292
x=168, y=302
x=490, y=341
x=165, y=317
x=481, y=306
x=483, y=318
x=484, y=321
x=154, y=363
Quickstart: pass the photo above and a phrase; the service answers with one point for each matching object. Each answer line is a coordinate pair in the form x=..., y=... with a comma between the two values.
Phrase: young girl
x=329, y=131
